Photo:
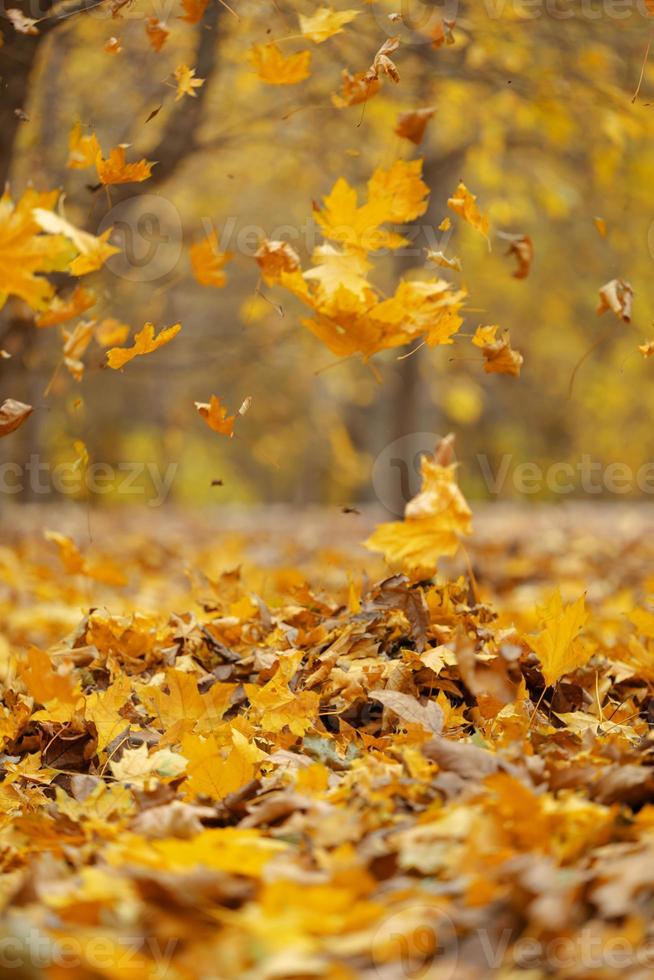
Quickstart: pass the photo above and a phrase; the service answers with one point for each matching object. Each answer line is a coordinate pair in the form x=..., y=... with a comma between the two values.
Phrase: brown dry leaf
x=522, y=248
x=428, y=716
x=21, y=23
x=355, y=89
x=499, y=356
x=617, y=296
x=12, y=415
x=412, y=125
x=443, y=33
x=382, y=64
x=157, y=32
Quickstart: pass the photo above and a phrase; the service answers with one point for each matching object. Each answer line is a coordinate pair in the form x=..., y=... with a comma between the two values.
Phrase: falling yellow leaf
x=499, y=356
x=208, y=262
x=157, y=32
x=275, y=68
x=186, y=82
x=145, y=342
x=94, y=250
x=62, y=309
x=438, y=258
x=325, y=23
x=434, y=521
x=82, y=150
x=25, y=253
x=216, y=417
x=355, y=89
x=194, y=10
x=114, y=170
x=464, y=204
x=412, y=125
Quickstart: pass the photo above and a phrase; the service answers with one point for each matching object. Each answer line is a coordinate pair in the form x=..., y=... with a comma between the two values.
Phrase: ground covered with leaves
x=238, y=748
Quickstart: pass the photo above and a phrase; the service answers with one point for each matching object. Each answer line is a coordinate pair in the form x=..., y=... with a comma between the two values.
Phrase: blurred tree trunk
x=17, y=62
x=441, y=173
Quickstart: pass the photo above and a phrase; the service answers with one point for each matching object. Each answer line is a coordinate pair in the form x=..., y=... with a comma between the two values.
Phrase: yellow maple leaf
x=395, y=195
x=346, y=270
x=216, y=771
x=556, y=646
x=400, y=190
x=215, y=415
x=25, y=252
x=278, y=707
x=464, y=204
x=103, y=707
x=62, y=309
x=325, y=23
x=434, y=520
x=145, y=342
x=94, y=250
x=208, y=262
x=114, y=170
x=184, y=702
x=186, y=82
x=45, y=684
x=82, y=150
x=275, y=68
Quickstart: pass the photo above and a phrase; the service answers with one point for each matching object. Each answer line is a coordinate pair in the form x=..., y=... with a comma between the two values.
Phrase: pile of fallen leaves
x=253, y=760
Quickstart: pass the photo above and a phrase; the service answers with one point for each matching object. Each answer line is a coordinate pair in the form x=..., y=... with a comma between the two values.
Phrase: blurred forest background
x=533, y=111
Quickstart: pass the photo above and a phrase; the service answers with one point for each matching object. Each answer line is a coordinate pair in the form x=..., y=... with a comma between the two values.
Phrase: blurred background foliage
x=534, y=111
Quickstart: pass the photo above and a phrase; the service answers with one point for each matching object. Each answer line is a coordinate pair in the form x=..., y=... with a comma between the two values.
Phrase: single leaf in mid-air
x=186, y=82
x=325, y=23
x=215, y=415
x=115, y=170
x=276, y=68
x=12, y=415
x=145, y=342
x=208, y=262
x=464, y=204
